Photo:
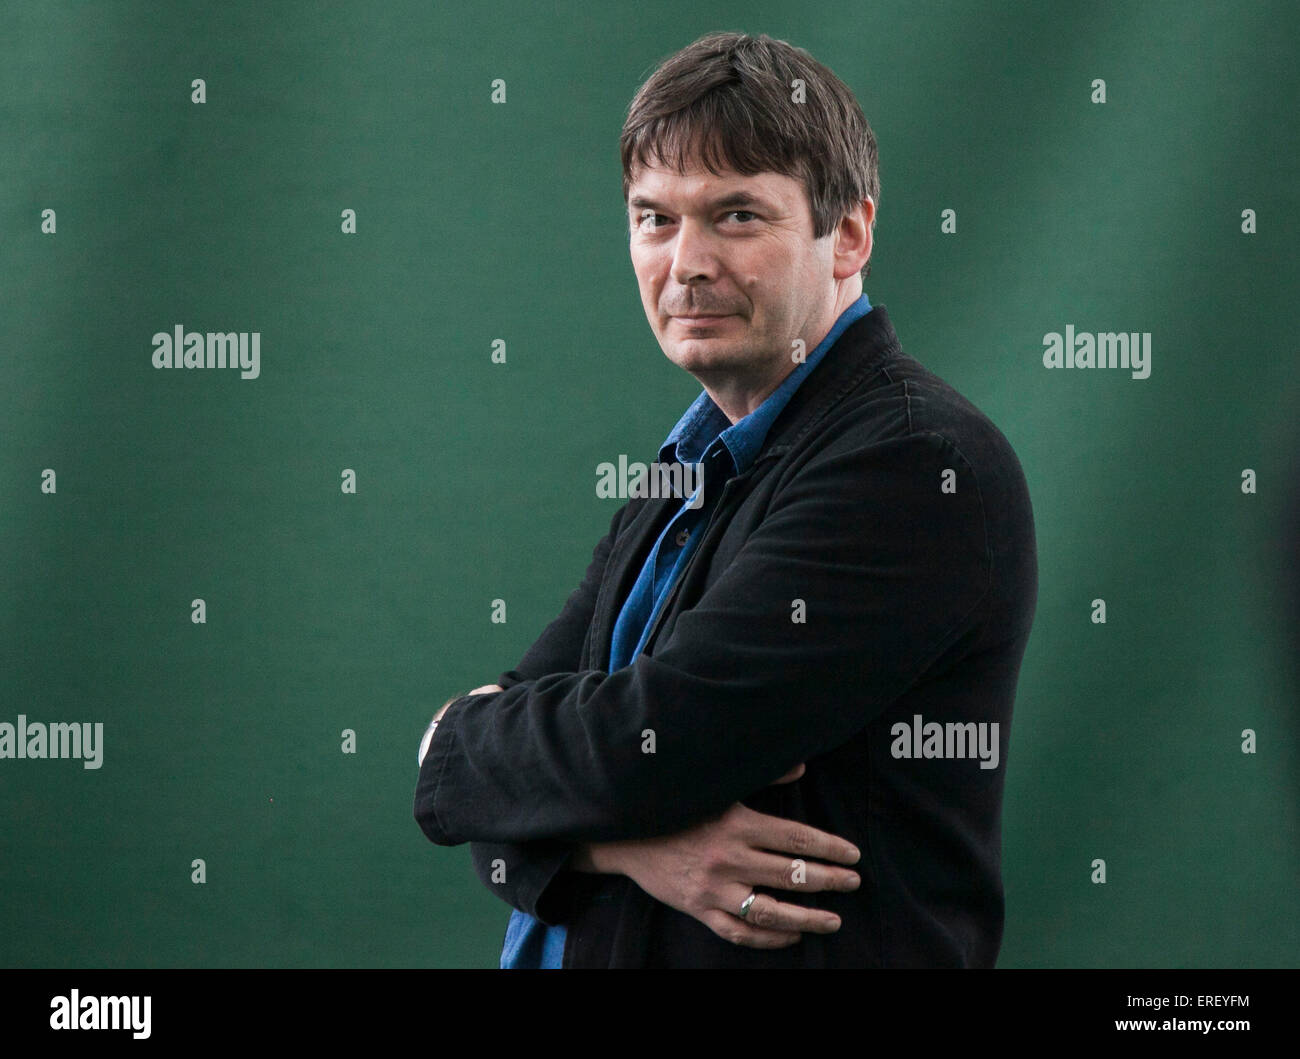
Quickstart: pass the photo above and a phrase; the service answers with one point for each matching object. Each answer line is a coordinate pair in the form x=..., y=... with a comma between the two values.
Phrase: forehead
x=698, y=188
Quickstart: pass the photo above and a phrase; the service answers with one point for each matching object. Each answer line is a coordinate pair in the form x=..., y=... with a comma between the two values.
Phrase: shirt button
x=682, y=537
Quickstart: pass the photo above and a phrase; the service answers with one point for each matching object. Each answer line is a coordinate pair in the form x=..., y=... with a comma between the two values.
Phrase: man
x=809, y=661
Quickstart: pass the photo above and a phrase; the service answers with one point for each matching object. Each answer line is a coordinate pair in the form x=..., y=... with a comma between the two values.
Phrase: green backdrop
x=478, y=221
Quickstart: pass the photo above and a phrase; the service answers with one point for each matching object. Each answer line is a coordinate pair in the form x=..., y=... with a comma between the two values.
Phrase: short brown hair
x=727, y=100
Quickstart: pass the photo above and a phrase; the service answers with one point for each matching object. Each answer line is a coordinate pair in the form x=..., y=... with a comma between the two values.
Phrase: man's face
x=729, y=272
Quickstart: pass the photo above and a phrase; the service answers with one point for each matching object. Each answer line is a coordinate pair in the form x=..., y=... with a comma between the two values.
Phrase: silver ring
x=744, y=908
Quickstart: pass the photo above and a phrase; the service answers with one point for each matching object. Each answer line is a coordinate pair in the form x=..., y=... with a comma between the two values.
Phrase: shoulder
x=908, y=408
x=903, y=446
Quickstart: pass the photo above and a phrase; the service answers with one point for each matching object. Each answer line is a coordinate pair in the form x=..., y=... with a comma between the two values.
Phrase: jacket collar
x=856, y=355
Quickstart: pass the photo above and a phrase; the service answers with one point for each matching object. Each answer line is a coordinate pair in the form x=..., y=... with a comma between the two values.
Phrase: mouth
x=702, y=320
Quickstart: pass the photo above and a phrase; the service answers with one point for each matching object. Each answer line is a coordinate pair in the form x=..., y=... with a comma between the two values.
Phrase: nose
x=693, y=256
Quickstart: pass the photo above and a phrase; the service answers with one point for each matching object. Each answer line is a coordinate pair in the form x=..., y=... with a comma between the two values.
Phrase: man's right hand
x=708, y=870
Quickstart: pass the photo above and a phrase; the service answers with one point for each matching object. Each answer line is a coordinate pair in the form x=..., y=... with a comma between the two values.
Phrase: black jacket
x=900, y=517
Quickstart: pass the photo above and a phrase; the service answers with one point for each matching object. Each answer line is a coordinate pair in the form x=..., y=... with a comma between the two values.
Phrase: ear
x=853, y=239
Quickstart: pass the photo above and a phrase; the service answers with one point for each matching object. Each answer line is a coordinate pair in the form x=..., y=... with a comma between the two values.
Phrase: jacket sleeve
x=890, y=569
x=530, y=875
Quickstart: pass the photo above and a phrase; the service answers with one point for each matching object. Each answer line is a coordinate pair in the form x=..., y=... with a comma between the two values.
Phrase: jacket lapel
x=641, y=528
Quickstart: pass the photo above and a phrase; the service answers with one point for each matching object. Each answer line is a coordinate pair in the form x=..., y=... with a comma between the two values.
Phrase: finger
x=793, y=774
x=786, y=873
x=767, y=913
x=790, y=836
x=738, y=932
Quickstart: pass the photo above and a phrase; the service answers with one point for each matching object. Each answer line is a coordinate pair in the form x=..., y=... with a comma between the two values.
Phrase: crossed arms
x=548, y=774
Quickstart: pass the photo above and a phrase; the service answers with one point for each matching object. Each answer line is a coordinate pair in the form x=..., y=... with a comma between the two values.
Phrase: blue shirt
x=720, y=450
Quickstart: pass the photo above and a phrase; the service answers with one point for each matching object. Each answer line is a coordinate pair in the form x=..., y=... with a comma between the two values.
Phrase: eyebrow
x=735, y=200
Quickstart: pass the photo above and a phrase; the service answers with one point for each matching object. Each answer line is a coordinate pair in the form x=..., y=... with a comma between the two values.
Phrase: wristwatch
x=428, y=738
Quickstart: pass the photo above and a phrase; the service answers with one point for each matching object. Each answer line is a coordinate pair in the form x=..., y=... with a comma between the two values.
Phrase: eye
x=737, y=213
x=647, y=221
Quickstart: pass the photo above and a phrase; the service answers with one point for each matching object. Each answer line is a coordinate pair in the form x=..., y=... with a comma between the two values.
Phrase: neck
x=740, y=392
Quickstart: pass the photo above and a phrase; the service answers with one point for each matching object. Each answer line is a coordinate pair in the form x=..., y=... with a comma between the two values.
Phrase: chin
x=696, y=354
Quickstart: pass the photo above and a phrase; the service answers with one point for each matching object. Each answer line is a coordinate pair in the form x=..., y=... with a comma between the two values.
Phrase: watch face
x=424, y=743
